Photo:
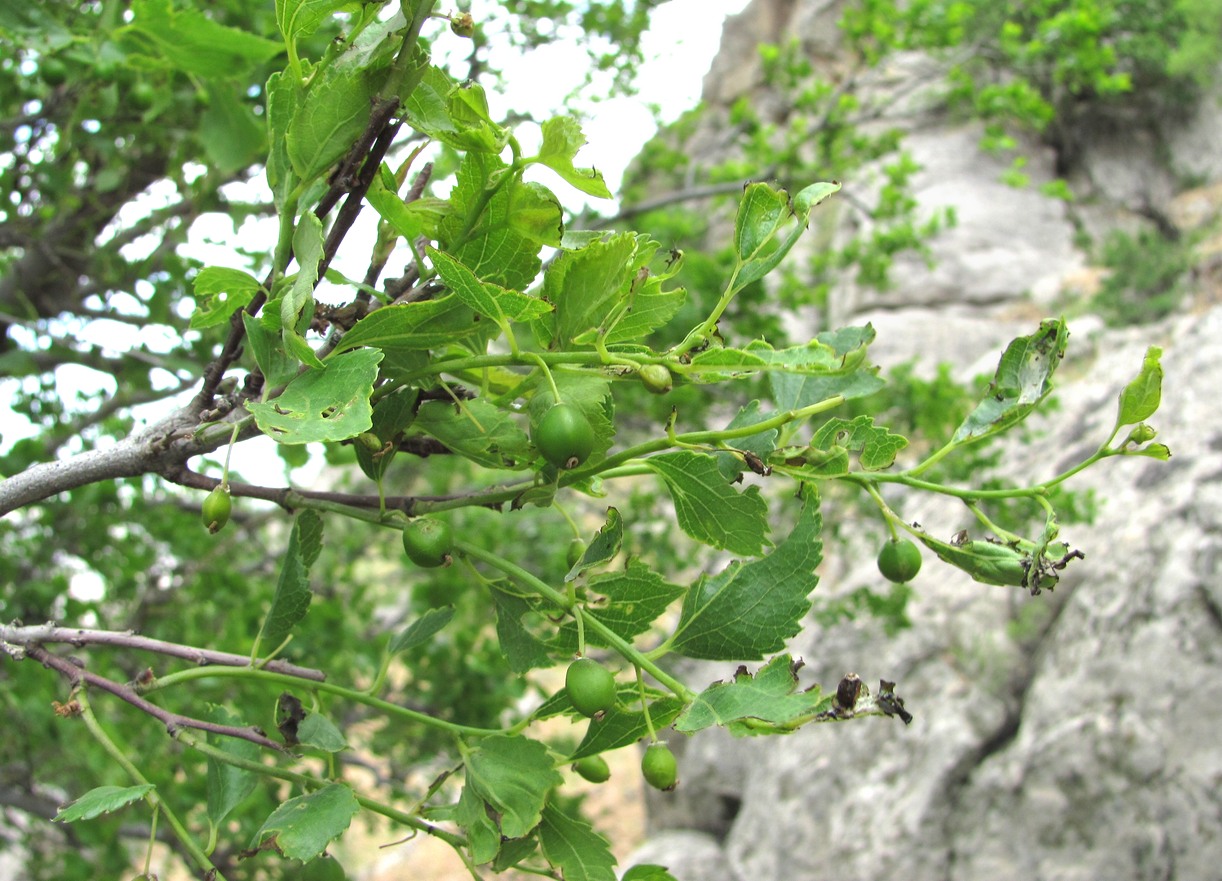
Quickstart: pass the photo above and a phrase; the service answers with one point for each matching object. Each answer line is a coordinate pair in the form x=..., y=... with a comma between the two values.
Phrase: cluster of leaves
x=428, y=394
x=1146, y=277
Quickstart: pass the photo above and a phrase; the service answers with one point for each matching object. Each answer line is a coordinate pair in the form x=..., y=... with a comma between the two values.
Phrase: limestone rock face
x=1071, y=735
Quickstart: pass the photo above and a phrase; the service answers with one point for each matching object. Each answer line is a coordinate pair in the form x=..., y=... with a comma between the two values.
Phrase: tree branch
x=342, y=181
x=173, y=721
x=37, y=635
x=162, y=445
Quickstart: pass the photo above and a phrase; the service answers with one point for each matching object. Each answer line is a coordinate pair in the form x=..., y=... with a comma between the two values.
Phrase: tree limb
x=169, y=442
x=173, y=721
x=38, y=634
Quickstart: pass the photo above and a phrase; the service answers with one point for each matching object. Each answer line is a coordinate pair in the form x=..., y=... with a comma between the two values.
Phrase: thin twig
x=173, y=721
x=80, y=637
x=289, y=498
x=341, y=182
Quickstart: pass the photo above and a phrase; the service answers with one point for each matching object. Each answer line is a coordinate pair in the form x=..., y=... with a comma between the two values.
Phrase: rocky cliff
x=1072, y=735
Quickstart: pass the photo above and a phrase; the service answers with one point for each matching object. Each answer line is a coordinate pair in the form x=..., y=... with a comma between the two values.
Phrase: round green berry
x=590, y=686
x=659, y=768
x=216, y=509
x=593, y=768
x=53, y=71
x=428, y=542
x=577, y=548
x=656, y=378
x=564, y=436
x=899, y=560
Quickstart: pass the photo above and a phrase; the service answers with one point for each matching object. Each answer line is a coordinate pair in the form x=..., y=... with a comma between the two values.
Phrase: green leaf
x=1161, y=452
x=749, y=610
x=413, y=327
x=233, y=137
x=494, y=301
x=268, y=348
x=770, y=695
x=588, y=285
x=652, y=308
x=878, y=446
x=483, y=836
x=300, y=18
x=421, y=630
x=562, y=138
x=819, y=357
x=621, y=727
x=411, y=220
x=573, y=845
x=1022, y=380
x=102, y=800
x=831, y=364
x=523, y=651
x=284, y=96
x=646, y=872
x=318, y=731
x=228, y=786
x=456, y=114
x=292, y=598
x=474, y=128
x=628, y=602
x=297, y=304
x=763, y=214
x=514, y=775
x=302, y=827
x=722, y=365
x=708, y=508
x=191, y=41
x=427, y=107
x=1140, y=398
x=794, y=391
x=331, y=404
x=332, y=114
x=220, y=292
x=535, y=213
x=812, y=463
x=478, y=431
x=606, y=544
x=513, y=851
x=478, y=230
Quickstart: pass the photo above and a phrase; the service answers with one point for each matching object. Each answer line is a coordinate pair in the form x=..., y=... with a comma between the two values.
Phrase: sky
x=678, y=48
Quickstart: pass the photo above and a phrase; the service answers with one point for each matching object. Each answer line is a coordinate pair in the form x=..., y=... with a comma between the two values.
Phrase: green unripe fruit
x=53, y=71
x=216, y=509
x=593, y=768
x=142, y=95
x=656, y=378
x=577, y=547
x=564, y=436
x=899, y=561
x=659, y=768
x=463, y=25
x=590, y=686
x=428, y=542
